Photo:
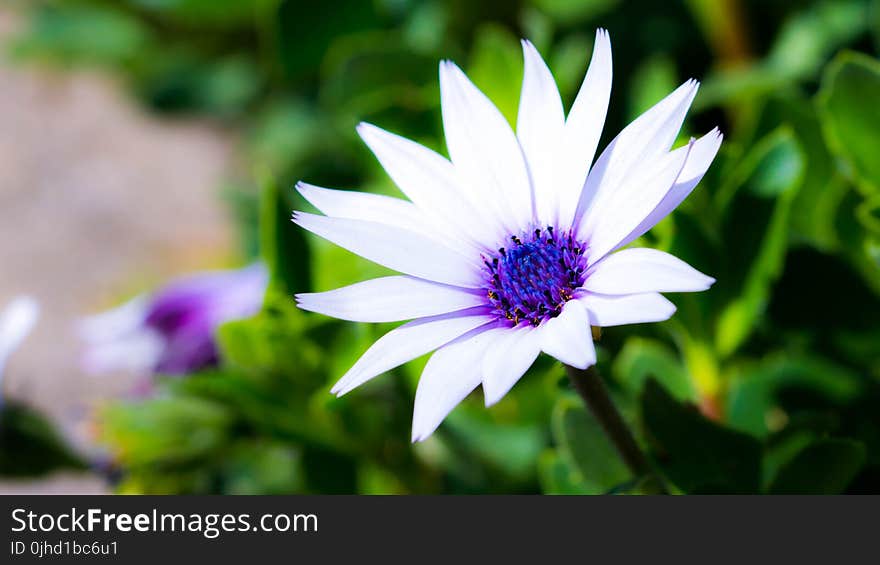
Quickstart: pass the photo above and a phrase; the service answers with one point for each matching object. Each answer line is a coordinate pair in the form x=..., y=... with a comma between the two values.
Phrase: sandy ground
x=98, y=200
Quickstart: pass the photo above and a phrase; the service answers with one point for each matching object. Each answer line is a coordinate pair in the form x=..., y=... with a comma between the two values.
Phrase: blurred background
x=143, y=140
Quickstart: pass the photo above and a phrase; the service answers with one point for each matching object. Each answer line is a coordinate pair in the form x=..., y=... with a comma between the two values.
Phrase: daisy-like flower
x=509, y=248
x=172, y=330
x=17, y=320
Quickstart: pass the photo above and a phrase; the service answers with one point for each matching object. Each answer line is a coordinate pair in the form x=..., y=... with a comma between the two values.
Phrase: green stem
x=589, y=384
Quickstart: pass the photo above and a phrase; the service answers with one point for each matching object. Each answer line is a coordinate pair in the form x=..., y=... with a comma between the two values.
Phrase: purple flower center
x=532, y=278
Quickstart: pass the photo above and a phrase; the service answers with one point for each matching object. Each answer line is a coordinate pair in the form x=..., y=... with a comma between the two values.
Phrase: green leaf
x=868, y=214
x=875, y=21
x=375, y=72
x=806, y=41
x=780, y=168
x=262, y=467
x=283, y=135
x=30, y=445
x=641, y=358
x=165, y=431
x=772, y=166
x=282, y=243
x=83, y=34
x=855, y=224
x=509, y=447
x=303, y=32
x=823, y=188
x=772, y=169
x=496, y=68
x=229, y=85
x=177, y=79
x=570, y=12
x=781, y=449
x=802, y=46
x=826, y=466
x=753, y=390
x=427, y=27
x=584, y=446
x=204, y=13
x=698, y=455
x=568, y=61
x=557, y=476
x=270, y=342
x=651, y=82
x=851, y=116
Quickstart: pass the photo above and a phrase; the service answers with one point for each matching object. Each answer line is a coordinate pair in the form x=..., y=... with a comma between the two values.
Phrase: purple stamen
x=531, y=280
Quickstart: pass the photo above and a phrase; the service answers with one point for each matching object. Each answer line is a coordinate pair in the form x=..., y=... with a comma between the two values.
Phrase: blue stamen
x=530, y=281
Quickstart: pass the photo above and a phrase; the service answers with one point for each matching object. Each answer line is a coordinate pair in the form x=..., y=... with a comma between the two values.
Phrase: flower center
x=530, y=280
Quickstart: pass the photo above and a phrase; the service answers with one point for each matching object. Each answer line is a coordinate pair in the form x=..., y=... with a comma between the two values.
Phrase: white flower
x=16, y=322
x=507, y=249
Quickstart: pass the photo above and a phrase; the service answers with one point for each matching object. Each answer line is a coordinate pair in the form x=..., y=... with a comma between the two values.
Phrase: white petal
x=430, y=181
x=633, y=202
x=119, y=341
x=382, y=209
x=405, y=344
x=583, y=128
x=507, y=361
x=363, y=206
x=109, y=325
x=136, y=352
x=642, y=141
x=539, y=128
x=396, y=248
x=390, y=299
x=452, y=373
x=627, y=309
x=568, y=337
x=702, y=154
x=639, y=270
x=484, y=149
x=16, y=322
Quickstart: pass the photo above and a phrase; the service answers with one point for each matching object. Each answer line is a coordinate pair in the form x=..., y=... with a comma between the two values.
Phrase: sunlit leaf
x=261, y=467
x=512, y=448
x=654, y=78
x=823, y=188
x=642, y=358
x=77, y=33
x=265, y=342
x=568, y=61
x=850, y=118
x=170, y=430
x=573, y=11
x=496, y=67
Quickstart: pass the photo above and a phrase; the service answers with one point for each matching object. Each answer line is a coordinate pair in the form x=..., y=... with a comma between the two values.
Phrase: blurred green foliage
x=769, y=382
x=30, y=445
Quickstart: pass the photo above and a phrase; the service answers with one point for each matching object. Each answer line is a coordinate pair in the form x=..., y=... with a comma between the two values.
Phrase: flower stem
x=588, y=383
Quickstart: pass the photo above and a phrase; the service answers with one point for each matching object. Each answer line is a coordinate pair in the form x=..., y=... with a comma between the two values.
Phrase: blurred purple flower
x=171, y=331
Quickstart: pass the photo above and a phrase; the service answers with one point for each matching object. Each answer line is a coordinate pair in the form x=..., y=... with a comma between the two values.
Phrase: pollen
x=532, y=280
